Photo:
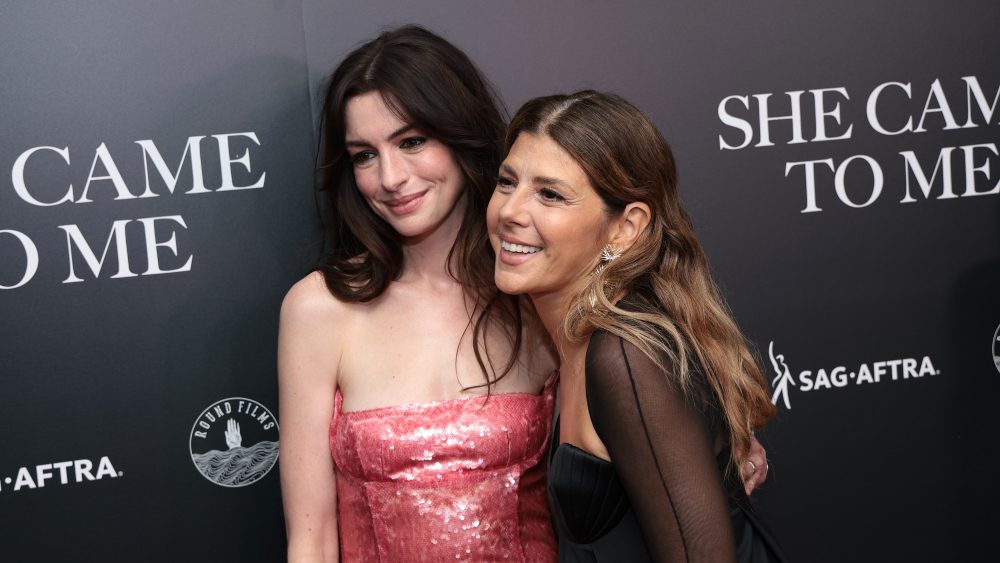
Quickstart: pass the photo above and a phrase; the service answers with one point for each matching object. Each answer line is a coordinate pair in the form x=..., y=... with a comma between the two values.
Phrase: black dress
x=665, y=497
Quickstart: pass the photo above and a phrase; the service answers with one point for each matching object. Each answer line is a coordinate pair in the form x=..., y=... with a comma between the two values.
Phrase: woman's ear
x=630, y=224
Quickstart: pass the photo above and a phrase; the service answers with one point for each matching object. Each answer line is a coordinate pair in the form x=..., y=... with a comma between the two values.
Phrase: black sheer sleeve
x=662, y=446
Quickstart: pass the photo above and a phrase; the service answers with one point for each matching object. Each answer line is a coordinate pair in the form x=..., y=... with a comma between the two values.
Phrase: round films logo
x=234, y=442
x=996, y=348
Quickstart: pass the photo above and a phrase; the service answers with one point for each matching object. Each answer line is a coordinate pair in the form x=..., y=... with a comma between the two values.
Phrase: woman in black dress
x=658, y=387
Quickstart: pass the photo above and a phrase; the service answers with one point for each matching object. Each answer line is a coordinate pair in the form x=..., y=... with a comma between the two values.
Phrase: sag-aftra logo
x=853, y=374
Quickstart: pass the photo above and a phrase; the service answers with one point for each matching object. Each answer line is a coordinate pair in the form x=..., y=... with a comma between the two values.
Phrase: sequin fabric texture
x=459, y=480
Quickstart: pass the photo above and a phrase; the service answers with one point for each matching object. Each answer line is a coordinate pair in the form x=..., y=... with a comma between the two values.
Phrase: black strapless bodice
x=593, y=517
x=595, y=523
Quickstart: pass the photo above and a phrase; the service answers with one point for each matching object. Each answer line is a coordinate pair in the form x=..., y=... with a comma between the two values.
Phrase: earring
x=611, y=252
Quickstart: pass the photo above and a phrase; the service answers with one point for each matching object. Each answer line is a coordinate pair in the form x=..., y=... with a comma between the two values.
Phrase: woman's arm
x=662, y=448
x=308, y=357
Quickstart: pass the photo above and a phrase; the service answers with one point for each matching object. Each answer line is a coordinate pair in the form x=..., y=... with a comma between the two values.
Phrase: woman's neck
x=425, y=257
x=552, y=310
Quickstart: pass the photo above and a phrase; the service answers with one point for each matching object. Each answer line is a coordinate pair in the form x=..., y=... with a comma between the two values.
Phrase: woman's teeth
x=520, y=248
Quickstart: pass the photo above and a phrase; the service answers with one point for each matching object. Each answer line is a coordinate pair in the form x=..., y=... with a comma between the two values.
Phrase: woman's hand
x=753, y=466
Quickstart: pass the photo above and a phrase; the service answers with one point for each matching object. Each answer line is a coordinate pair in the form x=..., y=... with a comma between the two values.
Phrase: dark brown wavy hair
x=432, y=85
x=676, y=310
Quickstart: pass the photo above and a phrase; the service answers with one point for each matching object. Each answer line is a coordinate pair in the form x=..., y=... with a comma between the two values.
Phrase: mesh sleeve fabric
x=662, y=446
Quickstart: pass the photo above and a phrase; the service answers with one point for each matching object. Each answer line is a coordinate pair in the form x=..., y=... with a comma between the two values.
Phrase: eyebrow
x=396, y=133
x=507, y=169
x=548, y=180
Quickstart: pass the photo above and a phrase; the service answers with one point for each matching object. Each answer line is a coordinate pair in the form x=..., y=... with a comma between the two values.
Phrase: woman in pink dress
x=415, y=405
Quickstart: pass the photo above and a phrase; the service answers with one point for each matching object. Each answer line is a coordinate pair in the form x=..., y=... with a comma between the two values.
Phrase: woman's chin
x=510, y=286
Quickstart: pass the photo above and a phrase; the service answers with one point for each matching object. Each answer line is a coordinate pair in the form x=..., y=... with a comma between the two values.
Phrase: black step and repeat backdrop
x=842, y=164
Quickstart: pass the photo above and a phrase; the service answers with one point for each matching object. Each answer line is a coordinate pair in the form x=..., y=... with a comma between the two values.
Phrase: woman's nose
x=513, y=210
x=393, y=171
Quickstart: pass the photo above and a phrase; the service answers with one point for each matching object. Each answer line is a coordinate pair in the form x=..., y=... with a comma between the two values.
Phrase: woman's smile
x=405, y=205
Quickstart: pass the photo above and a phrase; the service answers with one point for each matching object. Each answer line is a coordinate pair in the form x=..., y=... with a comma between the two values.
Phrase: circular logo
x=996, y=348
x=234, y=442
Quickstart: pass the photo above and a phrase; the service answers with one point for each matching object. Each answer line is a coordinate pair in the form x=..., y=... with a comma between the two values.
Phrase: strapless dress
x=457, y=480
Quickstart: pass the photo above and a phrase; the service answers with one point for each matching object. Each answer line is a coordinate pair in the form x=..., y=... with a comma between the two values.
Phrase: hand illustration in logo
x=250, y=449
x=781, y=381
x=233, y=437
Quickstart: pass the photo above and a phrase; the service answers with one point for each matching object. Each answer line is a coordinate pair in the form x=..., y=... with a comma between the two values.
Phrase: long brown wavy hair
x=675, y=310
x=432, y=85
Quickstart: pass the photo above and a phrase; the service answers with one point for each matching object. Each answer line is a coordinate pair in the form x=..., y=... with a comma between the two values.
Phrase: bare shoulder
x=309, y=302
x=313, y=330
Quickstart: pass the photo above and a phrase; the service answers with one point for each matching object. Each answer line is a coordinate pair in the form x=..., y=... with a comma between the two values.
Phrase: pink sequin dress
x=458, y=480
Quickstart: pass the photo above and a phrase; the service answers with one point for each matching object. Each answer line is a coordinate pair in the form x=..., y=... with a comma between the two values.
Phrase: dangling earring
x=609, y=253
